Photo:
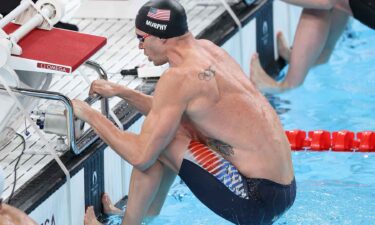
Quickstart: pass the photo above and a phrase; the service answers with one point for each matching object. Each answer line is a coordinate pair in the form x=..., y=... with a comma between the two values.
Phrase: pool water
x=332, y=187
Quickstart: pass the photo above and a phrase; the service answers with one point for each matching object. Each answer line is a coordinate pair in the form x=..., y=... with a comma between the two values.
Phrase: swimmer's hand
x=104, y=88
x=82, y=110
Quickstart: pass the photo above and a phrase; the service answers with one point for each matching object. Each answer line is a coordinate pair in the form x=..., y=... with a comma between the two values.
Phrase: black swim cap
x=162, y=18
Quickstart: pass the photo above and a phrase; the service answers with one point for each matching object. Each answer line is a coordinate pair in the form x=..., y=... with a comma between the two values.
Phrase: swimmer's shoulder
x=175, y=76
x=176, y=86
x=205, y=43
x=217, y=52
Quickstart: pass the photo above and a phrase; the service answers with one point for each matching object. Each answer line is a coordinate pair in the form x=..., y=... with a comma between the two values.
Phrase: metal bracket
x=88, y=137
x=102, y=75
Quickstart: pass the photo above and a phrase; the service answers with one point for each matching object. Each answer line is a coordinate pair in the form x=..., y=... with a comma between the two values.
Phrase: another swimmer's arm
x=313, y=4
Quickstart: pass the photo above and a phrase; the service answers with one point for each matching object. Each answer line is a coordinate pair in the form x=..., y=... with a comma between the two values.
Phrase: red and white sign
x=58, y=68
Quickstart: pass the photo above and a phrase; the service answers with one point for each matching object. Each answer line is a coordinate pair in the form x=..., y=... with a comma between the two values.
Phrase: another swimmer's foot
x=283, y=47
x=260, y=78
x=109, y=208
x=256, y=69
x=90, y=218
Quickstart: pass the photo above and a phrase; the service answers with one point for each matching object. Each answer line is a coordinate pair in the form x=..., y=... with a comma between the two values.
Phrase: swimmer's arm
x=107, y=89
x=139, y=100
x=313, y=4
x=161, y=125
x=158, y=130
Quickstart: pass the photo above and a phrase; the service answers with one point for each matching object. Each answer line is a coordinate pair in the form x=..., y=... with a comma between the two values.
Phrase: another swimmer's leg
x=143, y=188
x=108, y=207
x=311, y=36
x=282, y=46
x=339, y=20
x=90, y=218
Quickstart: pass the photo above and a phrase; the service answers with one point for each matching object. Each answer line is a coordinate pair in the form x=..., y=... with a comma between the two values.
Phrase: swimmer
x=320, y=26
x=206, y=122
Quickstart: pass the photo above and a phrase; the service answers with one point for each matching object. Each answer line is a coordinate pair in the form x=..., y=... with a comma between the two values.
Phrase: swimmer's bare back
x=229, y=110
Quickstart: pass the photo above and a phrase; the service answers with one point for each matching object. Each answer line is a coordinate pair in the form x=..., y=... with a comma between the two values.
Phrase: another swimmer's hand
x=104, y=88
x=82, y=110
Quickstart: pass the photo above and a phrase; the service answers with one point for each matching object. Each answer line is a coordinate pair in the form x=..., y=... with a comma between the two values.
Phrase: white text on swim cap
x=156, y=25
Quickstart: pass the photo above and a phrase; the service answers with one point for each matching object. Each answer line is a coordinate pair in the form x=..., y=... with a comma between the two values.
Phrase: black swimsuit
x=240, y=200
x=364, y=11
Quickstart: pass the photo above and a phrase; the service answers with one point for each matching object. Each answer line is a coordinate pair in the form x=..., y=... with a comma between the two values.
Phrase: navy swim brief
x=222, y=188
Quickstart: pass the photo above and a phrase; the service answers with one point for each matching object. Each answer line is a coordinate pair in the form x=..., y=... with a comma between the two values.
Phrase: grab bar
x=76, y=146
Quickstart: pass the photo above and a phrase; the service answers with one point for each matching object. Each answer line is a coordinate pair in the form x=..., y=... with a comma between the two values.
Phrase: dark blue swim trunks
x=220, y=186
x=364, y=11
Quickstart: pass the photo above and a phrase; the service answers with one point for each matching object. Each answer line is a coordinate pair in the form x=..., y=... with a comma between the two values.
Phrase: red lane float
x=342, y=141
x=339, y=141
x=320, y=140
x=366, y=141
x=296, y=139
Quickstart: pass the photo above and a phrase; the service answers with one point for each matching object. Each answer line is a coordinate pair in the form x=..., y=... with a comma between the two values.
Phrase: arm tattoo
x=220, y=147
x=207, y=74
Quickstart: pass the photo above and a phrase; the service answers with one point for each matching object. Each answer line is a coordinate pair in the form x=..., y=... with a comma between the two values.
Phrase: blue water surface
x=333, y=188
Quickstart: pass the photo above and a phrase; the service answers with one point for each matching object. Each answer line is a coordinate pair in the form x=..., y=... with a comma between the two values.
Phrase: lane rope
x=339, y=141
